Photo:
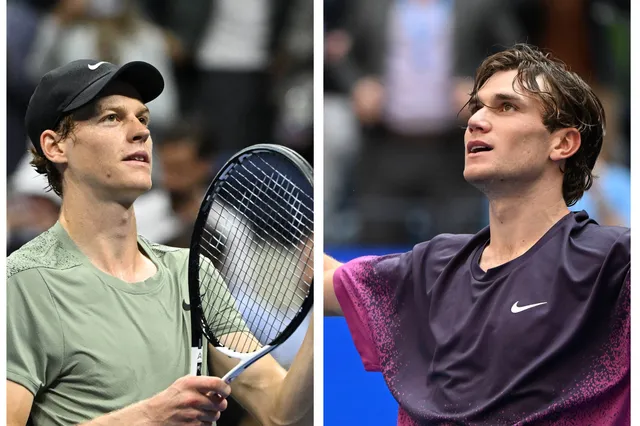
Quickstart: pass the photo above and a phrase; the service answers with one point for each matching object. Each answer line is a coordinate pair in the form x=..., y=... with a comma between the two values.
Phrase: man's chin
x=476, y=177
x=140, y=188
x=131, y=193
x=482, y=181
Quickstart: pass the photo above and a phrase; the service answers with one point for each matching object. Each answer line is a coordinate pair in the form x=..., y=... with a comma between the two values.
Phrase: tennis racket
x=251, y=257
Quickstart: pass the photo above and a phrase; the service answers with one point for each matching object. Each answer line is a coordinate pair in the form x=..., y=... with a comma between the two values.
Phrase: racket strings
x=260, y=239
x=297, y=274
x=281, y=186
x=275, y=231
x=226, y=322
x=269, y=226
x=277, y=217
x=300, y=252
x=308, y=210
x=238, y=343
x=242, y=302
x=244, y=290
x=267, y=314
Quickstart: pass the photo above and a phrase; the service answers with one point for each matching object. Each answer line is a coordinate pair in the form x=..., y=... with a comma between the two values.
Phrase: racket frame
x=199, y=326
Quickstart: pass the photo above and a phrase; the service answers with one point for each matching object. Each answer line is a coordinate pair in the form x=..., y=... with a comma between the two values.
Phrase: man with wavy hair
x=527, y=321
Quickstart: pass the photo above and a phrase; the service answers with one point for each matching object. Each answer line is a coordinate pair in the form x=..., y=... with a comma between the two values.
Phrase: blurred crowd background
x=237, y=73
x=397, y=73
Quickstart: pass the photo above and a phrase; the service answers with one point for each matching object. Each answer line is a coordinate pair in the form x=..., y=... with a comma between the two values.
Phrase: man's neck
x=106, y=232
x=518, y=222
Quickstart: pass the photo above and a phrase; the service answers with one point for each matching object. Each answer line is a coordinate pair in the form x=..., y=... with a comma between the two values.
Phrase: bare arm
x=331, y=305
x=19, y=401
x=270, y=393
x=294, y=403
x=330, y=264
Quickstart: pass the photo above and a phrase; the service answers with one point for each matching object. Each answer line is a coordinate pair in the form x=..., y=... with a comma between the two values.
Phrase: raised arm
x=270, y=393
x=331, y=305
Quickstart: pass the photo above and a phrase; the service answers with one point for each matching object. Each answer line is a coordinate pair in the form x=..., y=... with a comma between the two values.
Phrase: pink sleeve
x=367, y=290
x=348, y=285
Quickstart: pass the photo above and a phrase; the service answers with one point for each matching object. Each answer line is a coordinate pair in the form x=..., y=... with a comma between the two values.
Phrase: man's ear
x=566, y=143
x=53, y=147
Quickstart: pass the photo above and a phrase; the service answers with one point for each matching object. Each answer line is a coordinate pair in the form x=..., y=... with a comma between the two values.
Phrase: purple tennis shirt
x=541, y=340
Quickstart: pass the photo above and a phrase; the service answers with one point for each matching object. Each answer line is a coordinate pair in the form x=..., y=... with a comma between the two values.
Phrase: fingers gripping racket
x=251, y=258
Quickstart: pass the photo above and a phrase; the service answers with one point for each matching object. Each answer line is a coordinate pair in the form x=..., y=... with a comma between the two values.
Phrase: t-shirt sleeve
x=367, y=289
x=35, y=345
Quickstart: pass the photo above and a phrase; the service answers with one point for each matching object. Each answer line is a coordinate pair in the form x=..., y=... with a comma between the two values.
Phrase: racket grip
x=196, y=361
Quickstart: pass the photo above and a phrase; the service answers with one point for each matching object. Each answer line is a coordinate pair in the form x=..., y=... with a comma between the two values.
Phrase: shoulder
x=44, y=251
x=447, y=243
x=602, y=239
x=438, y=250
x=607, y=235
x=167, y=254
x=603, y=250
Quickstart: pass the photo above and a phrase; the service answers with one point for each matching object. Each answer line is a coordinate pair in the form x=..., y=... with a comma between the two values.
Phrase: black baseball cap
x=74, y=85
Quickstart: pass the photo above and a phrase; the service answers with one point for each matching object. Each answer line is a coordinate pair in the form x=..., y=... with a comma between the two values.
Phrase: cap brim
x=143, y=77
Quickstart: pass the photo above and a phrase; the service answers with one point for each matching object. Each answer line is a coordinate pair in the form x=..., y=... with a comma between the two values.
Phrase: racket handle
x=196, y=361
x=246, y=360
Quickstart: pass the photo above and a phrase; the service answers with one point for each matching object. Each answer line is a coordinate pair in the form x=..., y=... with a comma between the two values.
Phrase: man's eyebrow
x=475, y=101
x=507, y=97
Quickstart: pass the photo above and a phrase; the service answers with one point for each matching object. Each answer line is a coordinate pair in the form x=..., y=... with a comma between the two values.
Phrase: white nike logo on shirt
x=515, y=308
x=95, y=66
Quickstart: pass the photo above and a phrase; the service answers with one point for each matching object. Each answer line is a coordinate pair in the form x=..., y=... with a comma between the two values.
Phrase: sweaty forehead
x=500, y=82
x=507, y=82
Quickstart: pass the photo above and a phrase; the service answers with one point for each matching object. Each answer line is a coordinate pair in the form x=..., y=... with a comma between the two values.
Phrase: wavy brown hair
x=567, y=102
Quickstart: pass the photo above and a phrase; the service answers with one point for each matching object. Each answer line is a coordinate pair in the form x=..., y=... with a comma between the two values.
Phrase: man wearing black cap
x=96, y=331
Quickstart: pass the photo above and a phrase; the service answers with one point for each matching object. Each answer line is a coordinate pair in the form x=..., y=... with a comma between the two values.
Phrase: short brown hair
x=567, y=102
x=46, y=167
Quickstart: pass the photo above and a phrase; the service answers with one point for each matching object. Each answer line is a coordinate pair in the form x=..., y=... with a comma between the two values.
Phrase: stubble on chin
x=485, y=182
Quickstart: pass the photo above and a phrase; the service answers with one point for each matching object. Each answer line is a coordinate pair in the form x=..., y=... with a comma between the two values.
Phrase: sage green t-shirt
x=86, y=343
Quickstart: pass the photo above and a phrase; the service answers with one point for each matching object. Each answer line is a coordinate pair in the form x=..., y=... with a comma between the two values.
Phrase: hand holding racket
x=251, y=258
x=190, y=400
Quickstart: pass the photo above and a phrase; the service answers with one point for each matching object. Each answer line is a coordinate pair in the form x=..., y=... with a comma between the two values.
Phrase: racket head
x=263, y=195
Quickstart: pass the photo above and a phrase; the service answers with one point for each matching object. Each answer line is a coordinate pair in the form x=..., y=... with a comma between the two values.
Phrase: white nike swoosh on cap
x=95, y=66
x=515, y=308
